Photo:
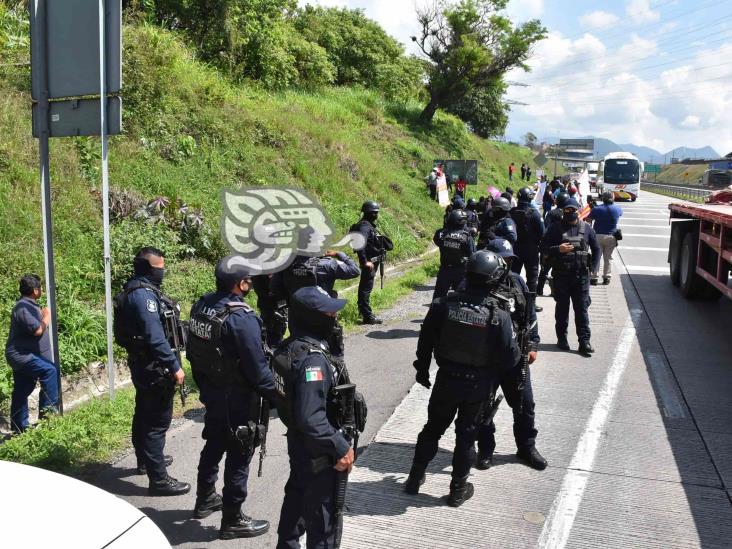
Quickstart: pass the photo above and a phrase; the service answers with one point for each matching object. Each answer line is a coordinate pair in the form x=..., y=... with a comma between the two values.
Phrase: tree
x=530, y=140
x=484, y=110
x=470, y=46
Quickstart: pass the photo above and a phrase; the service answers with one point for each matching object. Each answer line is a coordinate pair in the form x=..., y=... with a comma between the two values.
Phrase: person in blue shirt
x=605, y=218
x=154, y=367
x=28, y=352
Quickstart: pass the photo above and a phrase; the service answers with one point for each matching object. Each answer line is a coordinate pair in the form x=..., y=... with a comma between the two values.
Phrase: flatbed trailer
x=700, y=250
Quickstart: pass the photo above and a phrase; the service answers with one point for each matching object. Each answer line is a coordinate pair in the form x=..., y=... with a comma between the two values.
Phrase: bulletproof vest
x=515, y=302
x=454, y=248
x=301, y=274
x=205, y=349
x=465, y=338
x=521, y=219
x=577, y=261
x=169, y=312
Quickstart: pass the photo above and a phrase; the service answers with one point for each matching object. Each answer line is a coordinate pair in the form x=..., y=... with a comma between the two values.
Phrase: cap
x=316, y=298
x=231, y=268
x=571, y=203
x=502, y=247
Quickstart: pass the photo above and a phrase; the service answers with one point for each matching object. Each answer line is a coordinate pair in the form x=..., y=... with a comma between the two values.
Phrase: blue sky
x=651, y=72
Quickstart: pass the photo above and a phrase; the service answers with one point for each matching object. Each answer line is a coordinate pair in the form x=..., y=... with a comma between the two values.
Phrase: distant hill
x=649, y=155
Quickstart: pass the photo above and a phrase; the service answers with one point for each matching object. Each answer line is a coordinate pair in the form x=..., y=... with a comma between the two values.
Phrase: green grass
x=680, y=174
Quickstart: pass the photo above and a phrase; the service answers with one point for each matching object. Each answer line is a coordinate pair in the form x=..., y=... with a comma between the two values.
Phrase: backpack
x=122, y=336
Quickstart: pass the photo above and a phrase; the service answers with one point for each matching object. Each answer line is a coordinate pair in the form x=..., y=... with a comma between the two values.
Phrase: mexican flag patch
x=313, y=373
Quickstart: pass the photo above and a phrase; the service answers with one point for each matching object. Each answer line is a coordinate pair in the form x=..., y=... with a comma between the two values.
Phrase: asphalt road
x=638, y=437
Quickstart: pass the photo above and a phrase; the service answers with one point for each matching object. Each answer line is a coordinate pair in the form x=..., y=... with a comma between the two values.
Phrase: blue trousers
x=308, y=503
x=153, y=413
x=577, y=290
x=524, y=431
x=365, y=287
x=24, y=381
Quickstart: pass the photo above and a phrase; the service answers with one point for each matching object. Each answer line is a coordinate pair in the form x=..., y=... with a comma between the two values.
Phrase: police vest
x=169, y=316
x=521, y=219
x=454, y=248
x=466, y=338
x=578, y=261
x=301, y=274
x=514, y=304
x=205, y=349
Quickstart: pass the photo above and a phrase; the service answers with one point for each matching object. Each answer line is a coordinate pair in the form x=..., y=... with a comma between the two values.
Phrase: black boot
x=586, y=349
x=372, y=320
x=415, y=479
x=460, y=492
x=168, y=486
x=234, y=524
x=484, y=461
x=207, y=501
x=142, y=470
x=531, y=457
x=563, y=344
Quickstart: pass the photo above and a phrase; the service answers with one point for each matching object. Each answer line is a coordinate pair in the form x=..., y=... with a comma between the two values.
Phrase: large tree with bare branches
x=468, y=47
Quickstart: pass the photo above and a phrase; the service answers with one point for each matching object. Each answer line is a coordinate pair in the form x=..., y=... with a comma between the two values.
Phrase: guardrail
x=689, y=193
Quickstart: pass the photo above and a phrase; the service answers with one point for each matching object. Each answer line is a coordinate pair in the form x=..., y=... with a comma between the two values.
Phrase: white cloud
x=691, y=122
x=640, y=11
x=522, y=10
x=598, y=19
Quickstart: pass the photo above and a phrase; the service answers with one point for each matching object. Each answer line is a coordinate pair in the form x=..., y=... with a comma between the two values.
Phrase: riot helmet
x=370, y=207
x=472, y=204
x=457, y=219
x=562, y=199
x=526, y=194
x=486, y=269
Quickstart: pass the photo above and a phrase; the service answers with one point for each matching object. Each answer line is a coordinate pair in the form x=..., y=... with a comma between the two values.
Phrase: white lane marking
x=561, y=517
x=643, y=248
x=647, y=268
x=644, y=226
x=624, y=218
x=666, y=386
x=648, y=235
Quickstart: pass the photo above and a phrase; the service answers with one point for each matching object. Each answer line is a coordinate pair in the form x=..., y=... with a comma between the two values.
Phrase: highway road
x=639, y=437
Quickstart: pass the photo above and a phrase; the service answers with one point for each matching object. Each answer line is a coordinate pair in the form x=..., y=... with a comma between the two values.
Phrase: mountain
x=649, y=155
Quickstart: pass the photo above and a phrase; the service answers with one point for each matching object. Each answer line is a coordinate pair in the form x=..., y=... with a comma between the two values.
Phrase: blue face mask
x=570, y=217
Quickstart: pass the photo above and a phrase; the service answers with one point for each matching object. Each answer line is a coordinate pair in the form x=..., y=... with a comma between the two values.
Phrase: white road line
x=644, y=226
x=561, y=517
x=666, y=386
x=642, y=249
x=648, y=235
x=624, y=218
x=647, y=268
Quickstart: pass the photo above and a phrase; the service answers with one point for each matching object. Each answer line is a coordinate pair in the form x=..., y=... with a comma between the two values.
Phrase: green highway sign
x=652, y=168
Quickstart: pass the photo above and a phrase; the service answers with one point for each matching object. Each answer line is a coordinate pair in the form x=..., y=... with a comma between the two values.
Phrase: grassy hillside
x=188, y=133
x=680, y=174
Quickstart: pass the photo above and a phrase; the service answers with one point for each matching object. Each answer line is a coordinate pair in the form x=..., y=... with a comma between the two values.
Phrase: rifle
x=380, y=259
x=177, y=333
x=492, y=411
x=525, y=347
x=263, y=428
x=347, y=395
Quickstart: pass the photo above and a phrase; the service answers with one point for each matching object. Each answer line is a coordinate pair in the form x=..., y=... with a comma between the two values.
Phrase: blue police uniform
x=373, y=252
x=31, y=360
x=272, y=310
x=470, y=356
x=456, y=246
x=314, y=444
x=504, y=228
x=571, y=275
x=530, y=229
x=235, y=404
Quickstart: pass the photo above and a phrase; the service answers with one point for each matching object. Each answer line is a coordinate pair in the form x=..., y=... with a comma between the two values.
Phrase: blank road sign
x=74, y=117
x=72, y=45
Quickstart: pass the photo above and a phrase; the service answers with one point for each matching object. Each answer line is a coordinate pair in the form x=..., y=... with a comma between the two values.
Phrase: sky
x=656, y=73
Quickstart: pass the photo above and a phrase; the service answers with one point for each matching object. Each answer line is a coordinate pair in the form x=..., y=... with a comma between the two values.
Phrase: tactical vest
x=169, y=316
x=521, y=220
x=515, y=303
x=578, y=261
x=466, y=333
x=205, y=349
x=454, y=248
x=301, y=274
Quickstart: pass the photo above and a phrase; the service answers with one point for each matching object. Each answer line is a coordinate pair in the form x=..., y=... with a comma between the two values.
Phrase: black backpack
x=122, y=336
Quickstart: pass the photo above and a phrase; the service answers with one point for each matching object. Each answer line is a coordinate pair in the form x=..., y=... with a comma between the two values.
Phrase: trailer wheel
x=674, y=254
x=690, y=282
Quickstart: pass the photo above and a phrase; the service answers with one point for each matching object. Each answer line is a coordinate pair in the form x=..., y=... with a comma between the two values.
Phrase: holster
x=248, y=437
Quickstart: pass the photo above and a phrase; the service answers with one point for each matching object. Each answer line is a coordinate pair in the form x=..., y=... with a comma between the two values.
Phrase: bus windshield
x=621, y=171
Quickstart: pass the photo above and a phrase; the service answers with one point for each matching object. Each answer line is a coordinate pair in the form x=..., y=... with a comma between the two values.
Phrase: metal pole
x=41, y=53
x=105, y=196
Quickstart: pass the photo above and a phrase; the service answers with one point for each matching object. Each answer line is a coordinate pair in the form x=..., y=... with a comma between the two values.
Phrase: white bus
x=592, y=169
x=620, y=173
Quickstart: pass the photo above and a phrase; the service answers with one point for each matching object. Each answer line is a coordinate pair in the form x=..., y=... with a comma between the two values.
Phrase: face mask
x=155, y=276
x=570, y=217
x=312, y=322
x=372, y=217
x=498, y=214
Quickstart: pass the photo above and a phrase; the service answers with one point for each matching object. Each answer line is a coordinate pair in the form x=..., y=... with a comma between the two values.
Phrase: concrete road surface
x=639, y=437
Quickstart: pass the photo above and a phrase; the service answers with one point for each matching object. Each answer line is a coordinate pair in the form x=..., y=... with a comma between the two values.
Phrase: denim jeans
x=24, y=381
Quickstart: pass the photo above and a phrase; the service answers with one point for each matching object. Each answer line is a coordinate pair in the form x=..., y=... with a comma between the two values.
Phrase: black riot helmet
x=562, y=199
x=486, y=269
x=502, y=204
x=526, y=194
x=472, y=204
x=370, y=207
x=608, y=197
x=457, y=219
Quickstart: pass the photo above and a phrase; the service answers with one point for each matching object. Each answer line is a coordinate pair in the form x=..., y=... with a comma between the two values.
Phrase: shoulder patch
x=152, y=305
x=313, y=373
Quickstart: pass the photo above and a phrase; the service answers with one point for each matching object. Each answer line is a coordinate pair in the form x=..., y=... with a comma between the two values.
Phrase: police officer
x=272, y=310
x=28, y=352
x=605, y=219
x=517, y=389
x=316, y=447
x=369, y=257
x=154, y=367
x=553, y=216
x=456, y=246
x=473, y=341
x=568, y=245
x=498, y=223
x=530, y=230
x=473, y=222
x=318, y=271
x=229, y=364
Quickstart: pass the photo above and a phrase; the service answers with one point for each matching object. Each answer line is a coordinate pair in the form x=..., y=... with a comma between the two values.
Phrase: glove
x=423, y=378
